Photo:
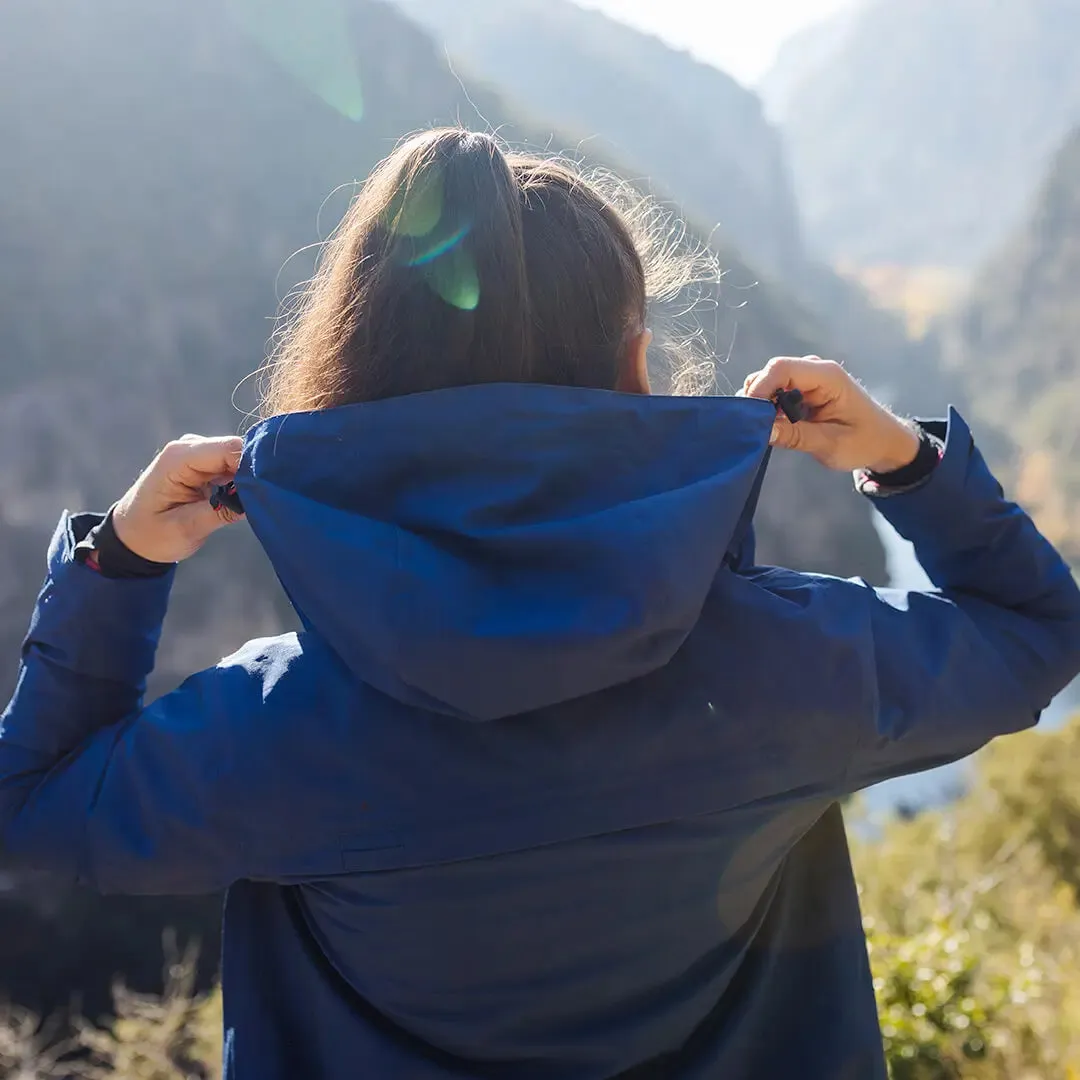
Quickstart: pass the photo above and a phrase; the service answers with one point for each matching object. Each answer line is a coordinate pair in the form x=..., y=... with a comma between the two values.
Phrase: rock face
x=918, y=129
x=1017, y=343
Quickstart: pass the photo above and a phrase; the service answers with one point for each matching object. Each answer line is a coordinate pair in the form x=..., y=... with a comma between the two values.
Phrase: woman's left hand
x=166, y=515
x=846, y=428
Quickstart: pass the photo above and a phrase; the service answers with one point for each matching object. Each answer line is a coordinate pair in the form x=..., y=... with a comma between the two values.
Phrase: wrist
x=104, y=550
x=118, y=526
x=897, y=451
x=909, y=477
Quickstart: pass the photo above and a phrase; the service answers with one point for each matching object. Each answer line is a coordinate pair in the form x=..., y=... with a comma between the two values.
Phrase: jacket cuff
x=103, y=627
x=912, y=476
x=111, y=556
x=939, y=509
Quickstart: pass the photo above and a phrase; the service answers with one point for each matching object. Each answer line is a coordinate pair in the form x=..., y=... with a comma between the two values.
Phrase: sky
x=740, y=37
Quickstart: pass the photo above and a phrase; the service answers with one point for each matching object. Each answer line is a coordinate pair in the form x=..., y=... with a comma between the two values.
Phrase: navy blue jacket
x=547, y=786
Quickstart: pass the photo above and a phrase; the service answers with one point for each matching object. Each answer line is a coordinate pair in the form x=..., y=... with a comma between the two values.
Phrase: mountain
x=161, y=163
x=800, y=56
x=1017, y=342
x=918, y=129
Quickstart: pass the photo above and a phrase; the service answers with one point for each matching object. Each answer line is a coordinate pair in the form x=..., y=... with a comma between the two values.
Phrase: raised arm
x=945, y=671
x=93, y=787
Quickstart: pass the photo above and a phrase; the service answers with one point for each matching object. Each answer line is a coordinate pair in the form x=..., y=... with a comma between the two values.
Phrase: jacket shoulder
x=275, y=674
x=264, y=657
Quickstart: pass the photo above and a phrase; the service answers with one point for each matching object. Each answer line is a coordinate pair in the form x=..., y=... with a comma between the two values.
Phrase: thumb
x=806, y=437
x=199, y=520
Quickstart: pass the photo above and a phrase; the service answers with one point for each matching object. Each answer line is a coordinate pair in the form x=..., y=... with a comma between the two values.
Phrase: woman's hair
x=458, y=264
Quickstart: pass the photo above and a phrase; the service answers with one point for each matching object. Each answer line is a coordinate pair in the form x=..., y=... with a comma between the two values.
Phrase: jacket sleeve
x=984, y=654
x=96, y=789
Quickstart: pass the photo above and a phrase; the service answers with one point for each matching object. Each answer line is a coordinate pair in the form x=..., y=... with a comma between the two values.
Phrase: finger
x=807, y=438
x=780, y=435
x=772, y=377
x=199, y=520
x=228, y=516
x=194, y=460
x=805, y=373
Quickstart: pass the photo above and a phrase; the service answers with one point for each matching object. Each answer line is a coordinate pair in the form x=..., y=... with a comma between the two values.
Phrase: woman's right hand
x=166, y=515
x=846, y=429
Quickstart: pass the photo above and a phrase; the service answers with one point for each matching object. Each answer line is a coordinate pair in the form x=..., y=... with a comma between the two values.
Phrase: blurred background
x=892, y=183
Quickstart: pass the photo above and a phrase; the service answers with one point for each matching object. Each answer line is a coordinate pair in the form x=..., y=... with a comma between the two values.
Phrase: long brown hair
x=457, y=264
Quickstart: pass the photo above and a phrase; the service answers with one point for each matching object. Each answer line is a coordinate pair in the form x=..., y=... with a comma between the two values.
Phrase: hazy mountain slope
x=800, y=56
x=1017, y=342
x=158, y=169
x=691, y=130
x=919, y=136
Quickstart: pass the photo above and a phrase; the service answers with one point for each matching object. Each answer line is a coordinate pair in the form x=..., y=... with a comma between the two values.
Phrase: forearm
x=88, y=651
x=986, y=553
x=93, y=787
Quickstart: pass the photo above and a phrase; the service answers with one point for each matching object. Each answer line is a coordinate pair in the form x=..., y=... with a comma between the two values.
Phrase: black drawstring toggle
x=792, y=405
x=226, y=495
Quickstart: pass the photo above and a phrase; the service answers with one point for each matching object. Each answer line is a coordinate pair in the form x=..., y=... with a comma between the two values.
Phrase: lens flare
x=453, y=277
x=426, y=242
x=440, y=248
x=312, y=40
x=416, y=210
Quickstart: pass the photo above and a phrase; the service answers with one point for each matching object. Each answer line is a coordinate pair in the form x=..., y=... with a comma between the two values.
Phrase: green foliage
x=973, y=925
x=962, y=992
x=930, y=1021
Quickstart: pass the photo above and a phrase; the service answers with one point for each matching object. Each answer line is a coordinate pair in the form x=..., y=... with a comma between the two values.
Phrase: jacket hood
x=489, y=550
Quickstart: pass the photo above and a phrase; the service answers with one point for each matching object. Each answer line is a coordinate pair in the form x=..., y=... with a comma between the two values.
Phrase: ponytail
x=453, y=302
x=458, y=265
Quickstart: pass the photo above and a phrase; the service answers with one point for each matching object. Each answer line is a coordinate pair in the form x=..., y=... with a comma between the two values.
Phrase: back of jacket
x=630, y=878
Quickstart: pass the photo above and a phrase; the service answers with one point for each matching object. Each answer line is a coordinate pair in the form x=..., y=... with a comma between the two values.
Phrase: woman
x=548, y=785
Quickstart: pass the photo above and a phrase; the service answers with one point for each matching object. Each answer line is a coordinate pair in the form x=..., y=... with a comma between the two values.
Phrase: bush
x=28, y=1050
x=176, y=1036
x=973, y=926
